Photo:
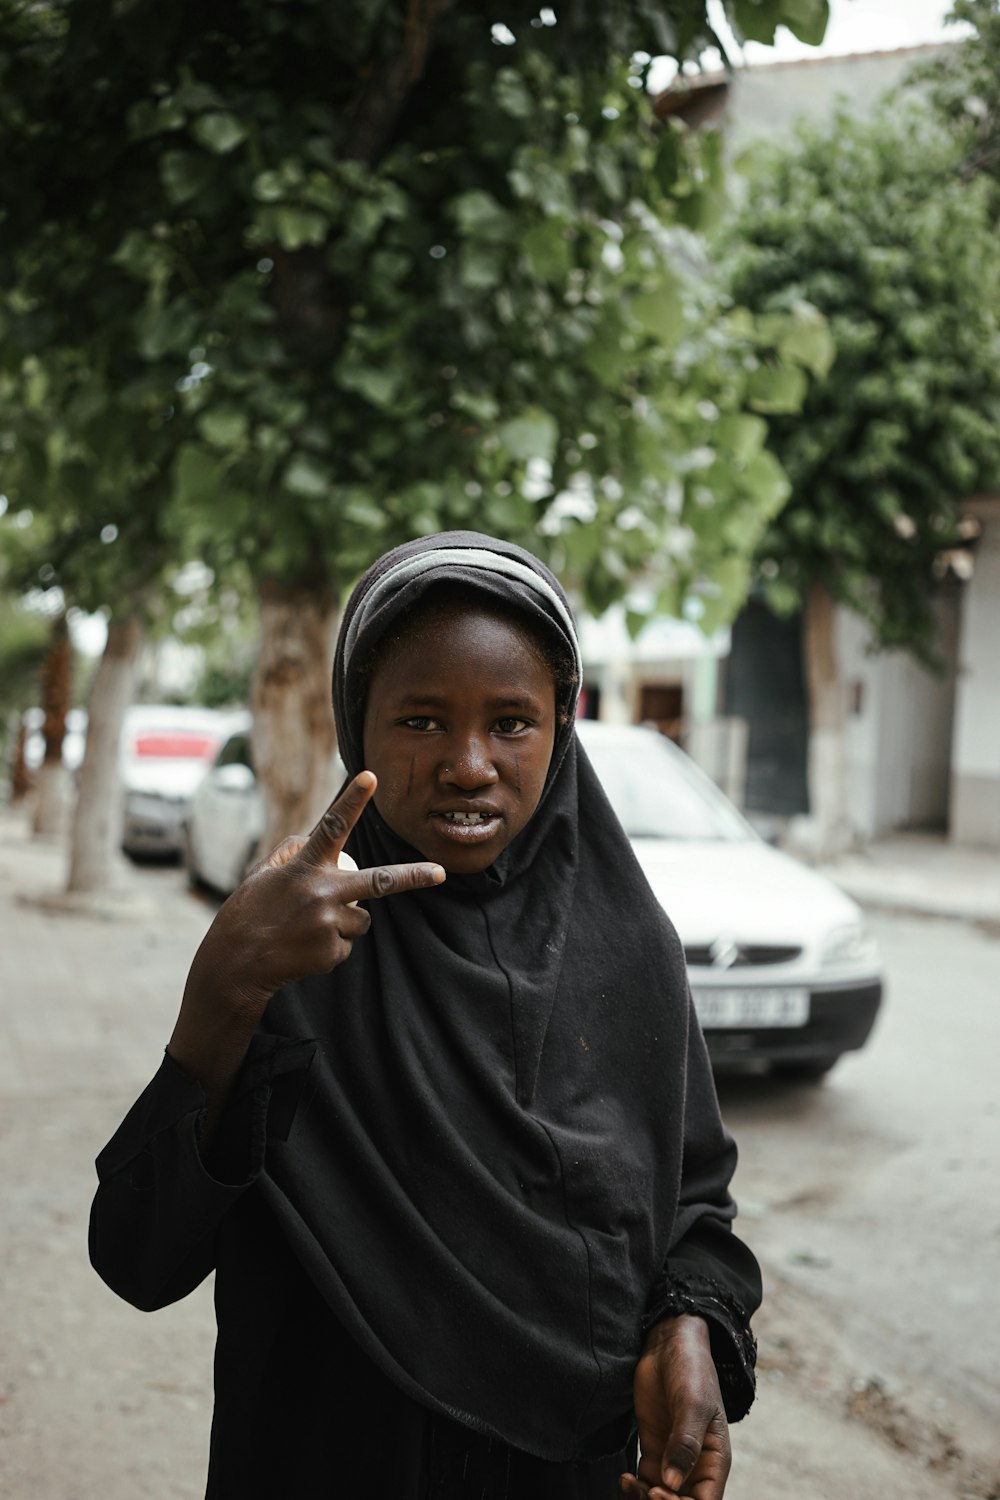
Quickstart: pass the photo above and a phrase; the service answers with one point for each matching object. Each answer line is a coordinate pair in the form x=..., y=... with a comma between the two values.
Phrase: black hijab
x=487, y=1181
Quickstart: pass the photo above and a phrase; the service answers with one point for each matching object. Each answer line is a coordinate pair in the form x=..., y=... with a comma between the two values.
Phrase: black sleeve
x=160, y=1199
x=708, y=1270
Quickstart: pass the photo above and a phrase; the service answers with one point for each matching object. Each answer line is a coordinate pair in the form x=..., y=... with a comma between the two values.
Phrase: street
x=870, y=1200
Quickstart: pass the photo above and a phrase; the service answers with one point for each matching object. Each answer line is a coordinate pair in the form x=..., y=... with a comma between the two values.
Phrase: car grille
x=747, y=955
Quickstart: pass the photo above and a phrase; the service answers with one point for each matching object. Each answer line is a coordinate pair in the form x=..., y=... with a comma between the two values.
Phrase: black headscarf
x=487, y=1182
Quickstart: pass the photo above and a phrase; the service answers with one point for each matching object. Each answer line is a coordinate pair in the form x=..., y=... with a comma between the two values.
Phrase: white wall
x=768, y=100
x=898, y=742
x=975, y=809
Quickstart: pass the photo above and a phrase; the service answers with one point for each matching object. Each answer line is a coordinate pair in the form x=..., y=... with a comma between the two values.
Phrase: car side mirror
x=233, y=778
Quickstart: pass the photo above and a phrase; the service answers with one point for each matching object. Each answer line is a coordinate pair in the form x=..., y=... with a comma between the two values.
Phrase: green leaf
x=809, y=344
x=610, y=353
x=166, y=330
x=218, y=132
x=365, y=514
x=609, y=173
x=142, y=256
x=776, y=389
x=548, y=252
x=634, y=621
x=379, y=384
x=669, y=154
x=757, y=20
x=767, y=482
x=296, y=227
x=531, y=435
x=307, y=478
x=513, y=95
x=270, y=186
x=730, y=577
x=782, y=597
x=196, y=477
x=146, y=118
x=480, y=267
x=742, y=434
x=223, y=426
x=660, y=312
x=806, y=19
x=480, y=216
x=184, y=174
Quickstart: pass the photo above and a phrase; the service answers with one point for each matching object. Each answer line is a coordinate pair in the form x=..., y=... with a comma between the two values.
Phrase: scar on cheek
x=409, y=784
x=517, y=772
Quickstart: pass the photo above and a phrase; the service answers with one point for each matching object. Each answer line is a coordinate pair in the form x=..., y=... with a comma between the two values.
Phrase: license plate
x=751, y=1007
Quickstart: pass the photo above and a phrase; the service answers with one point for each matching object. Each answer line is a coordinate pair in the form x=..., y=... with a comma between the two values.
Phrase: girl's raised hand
x=295, y=914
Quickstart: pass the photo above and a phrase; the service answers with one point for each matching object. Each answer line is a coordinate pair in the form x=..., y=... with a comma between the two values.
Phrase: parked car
x=226, y=817
x=165, y=752
x=782, y=967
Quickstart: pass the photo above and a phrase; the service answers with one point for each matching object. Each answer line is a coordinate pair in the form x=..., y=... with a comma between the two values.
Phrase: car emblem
x=725, y=953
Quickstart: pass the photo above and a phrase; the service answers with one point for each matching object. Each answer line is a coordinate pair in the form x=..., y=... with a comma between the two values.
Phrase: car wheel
x=812, y=1071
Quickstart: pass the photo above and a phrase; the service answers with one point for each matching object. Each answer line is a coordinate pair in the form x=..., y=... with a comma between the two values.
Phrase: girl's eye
x=422, y=723
x=511, y=725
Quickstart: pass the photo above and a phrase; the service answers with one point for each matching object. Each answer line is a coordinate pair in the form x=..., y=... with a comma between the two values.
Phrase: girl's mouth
x=468, y=827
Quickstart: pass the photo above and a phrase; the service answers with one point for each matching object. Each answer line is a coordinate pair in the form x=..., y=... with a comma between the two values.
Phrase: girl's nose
x=470, y=764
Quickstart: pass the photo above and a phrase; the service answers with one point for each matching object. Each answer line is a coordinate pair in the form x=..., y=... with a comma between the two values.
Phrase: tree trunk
x=95, y=858
x=830, y=828
x=20, y=776
x=293, y=733
x=54, y=791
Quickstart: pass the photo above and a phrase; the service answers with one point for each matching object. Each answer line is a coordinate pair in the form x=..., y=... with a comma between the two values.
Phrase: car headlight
x=851, y=944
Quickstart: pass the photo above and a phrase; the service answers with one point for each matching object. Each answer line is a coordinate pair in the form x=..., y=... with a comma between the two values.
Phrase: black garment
x=490, y=1138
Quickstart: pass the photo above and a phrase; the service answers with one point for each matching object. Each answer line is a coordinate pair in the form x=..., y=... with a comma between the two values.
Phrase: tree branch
x=377, y=105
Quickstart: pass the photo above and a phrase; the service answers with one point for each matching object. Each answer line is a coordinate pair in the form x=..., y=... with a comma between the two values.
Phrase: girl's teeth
x=465, y=817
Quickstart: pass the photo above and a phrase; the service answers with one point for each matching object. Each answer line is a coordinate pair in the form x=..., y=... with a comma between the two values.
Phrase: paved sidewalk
x=96, y=1399
x=924, y=874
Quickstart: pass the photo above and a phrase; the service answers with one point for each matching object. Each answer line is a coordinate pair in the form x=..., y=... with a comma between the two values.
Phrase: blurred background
x=700, y=301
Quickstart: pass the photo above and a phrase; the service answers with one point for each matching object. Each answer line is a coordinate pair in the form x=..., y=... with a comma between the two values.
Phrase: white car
x=782, y=968
x=226, y=817
x=165, y=751
x=781, y=965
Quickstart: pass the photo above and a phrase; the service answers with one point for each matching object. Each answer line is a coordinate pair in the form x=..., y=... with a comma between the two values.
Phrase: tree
x=317, y=278
x=964, y=84
x=24, y=638
x=876, y=226
x=56, y=683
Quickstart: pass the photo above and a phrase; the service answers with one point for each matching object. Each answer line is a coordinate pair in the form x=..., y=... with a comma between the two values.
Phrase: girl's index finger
x=327, y=839
x=389, y=880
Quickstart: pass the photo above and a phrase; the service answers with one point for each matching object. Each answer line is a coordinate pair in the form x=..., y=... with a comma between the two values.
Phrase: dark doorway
x=765, y=685
x=662, y=704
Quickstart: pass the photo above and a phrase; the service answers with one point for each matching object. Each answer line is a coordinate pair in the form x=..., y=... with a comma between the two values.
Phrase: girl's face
x=459, y=727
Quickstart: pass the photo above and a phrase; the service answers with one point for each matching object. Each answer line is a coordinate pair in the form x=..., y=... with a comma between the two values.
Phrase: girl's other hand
x=683, y=1433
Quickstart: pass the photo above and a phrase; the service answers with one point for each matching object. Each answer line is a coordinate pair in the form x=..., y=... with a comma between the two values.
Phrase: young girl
x=454, y=1154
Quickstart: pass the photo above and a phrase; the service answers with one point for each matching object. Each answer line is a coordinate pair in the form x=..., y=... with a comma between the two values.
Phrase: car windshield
x=659, y=794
